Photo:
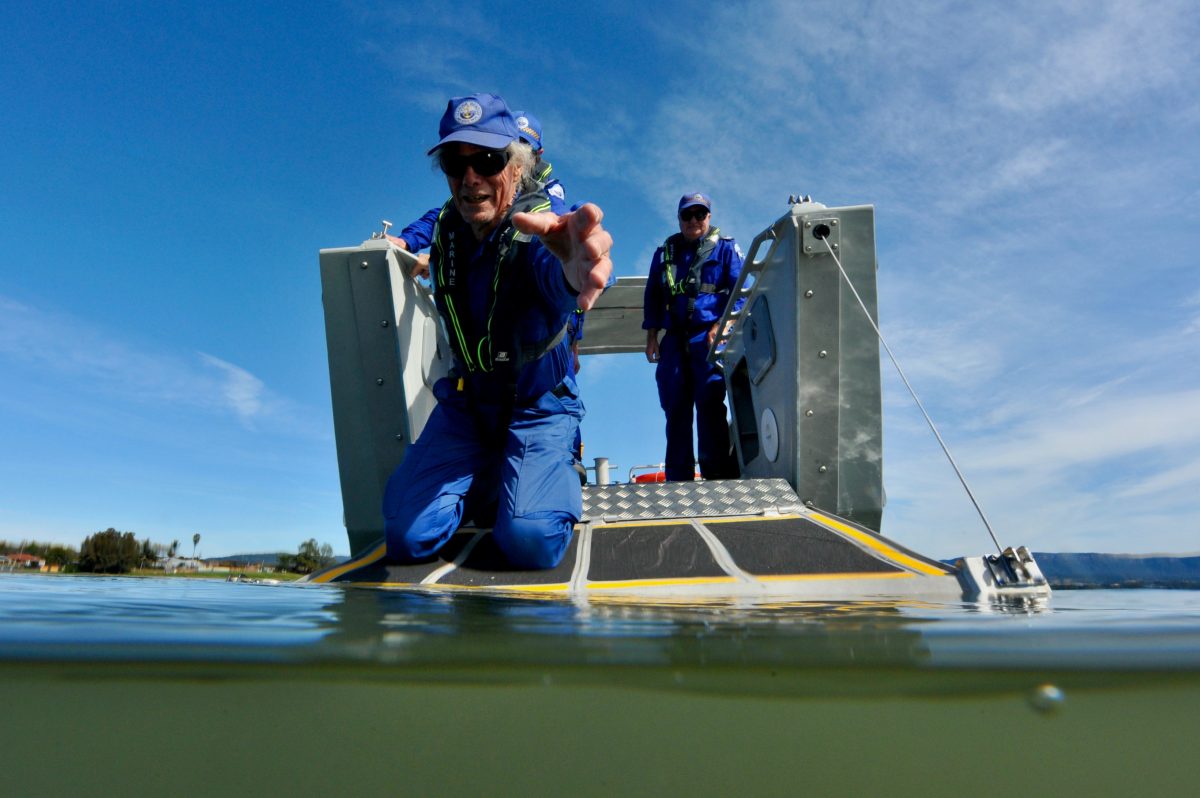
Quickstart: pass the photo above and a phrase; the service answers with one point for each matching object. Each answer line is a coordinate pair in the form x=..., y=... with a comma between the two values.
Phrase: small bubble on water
x=1047, y=698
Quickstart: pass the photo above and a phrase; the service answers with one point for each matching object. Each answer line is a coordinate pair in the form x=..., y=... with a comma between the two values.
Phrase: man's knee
x=534, y=542
x=417, y=535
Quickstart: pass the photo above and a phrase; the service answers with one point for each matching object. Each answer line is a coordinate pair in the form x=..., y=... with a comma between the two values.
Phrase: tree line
x=52, y=553
x=114, y=552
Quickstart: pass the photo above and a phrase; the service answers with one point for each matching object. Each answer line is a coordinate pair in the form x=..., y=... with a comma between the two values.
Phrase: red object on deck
x=653, y=476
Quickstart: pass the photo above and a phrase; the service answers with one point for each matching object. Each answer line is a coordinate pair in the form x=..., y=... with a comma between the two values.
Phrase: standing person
x=691, y=278
x=507, y=275
x=531, y=133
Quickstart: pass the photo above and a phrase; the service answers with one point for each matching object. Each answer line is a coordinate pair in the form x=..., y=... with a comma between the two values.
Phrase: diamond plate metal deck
x=609, y=503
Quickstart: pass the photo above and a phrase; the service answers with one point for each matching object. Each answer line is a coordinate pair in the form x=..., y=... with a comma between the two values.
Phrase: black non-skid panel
x=382, y=571
x=892, y=544
x=669, y=551
x=660, y=551
x=794, y=546
x=486, y=566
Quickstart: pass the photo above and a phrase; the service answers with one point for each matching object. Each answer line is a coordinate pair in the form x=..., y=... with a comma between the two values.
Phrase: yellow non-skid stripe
x=622, y=584
x=686, y=520
x=633, y=583
x=898, y=557
x=823, y=577
x=660, y=522
x=747, y=518
x=553, y=588
x=561, y=587
x=372, y=556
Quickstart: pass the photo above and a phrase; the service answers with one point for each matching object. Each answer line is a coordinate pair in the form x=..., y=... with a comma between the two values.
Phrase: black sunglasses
x=485, y=162
x=694, y=212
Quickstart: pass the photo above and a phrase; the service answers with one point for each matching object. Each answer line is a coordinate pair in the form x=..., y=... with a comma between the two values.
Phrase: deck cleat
x=1012, y=572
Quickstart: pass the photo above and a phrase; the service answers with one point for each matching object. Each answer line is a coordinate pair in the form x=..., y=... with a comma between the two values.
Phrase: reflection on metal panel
x=614, y=324
x=820, y=387
x=385, y=349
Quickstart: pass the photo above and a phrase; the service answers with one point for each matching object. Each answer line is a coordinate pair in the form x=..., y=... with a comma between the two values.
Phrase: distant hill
x=1094, y=570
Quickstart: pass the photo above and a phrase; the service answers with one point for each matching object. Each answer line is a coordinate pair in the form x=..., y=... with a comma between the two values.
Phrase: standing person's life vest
x=690, y=286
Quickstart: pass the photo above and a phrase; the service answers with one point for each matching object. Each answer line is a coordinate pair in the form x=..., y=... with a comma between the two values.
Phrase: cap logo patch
x=468, y=113
x=524, y=127
x=698, y=197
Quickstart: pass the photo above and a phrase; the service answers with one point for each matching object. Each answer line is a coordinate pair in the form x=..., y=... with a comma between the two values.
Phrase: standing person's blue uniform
x=497, y=448
x=691, y=279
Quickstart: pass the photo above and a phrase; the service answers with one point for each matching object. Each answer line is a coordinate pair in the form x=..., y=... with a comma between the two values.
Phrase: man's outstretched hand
x=579, y=241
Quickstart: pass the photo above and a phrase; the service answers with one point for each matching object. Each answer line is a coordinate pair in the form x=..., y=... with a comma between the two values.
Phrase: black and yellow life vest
x=491, y=344
x=690, y=286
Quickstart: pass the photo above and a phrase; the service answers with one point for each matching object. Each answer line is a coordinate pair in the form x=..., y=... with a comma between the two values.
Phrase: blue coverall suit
x=497, y=447
x=686, y=309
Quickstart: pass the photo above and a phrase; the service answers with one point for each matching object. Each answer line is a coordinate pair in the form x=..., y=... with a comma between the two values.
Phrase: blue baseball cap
x=529, y=129
x=688, y=200
x=480, y=119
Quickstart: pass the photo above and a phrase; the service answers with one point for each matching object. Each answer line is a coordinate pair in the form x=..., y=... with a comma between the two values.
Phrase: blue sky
x=168, y=173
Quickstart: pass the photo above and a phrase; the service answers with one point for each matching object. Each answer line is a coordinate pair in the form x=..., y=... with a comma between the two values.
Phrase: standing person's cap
x=480, y=119
x=688, y=200
x=530, y=130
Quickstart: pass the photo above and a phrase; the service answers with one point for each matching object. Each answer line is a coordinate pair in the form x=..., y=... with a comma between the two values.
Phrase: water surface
x=319, y=689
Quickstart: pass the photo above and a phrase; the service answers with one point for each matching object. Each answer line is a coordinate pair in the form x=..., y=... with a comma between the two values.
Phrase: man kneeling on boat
x=507, y=275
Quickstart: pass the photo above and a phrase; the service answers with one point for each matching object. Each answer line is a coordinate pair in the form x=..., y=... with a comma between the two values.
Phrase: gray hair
x=519, y=153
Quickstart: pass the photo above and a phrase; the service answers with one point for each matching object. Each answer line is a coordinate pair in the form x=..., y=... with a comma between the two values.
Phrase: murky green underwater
x=157, y=686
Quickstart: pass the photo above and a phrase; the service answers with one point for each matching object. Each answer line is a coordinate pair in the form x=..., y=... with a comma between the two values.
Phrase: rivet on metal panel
x=808, y=413
x=808, y=294
x=383, y=323
x=808, y=224
x=363, y=264
x=822, y=353
x=379, y=381
x=822, y=470
x=833, y=222
x=835, y=246
x=807, y=248
x=399, y=436
x=809, y=503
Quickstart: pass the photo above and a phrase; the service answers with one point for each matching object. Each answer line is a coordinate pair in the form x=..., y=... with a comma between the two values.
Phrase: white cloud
x=1100, y=432
x=1185, y=476
x=94, y=362
x=242, y=391
x=1102, y=53
x=942, y=351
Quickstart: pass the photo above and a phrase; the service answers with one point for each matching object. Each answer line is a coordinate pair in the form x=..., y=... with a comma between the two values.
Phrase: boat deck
x=681, y=540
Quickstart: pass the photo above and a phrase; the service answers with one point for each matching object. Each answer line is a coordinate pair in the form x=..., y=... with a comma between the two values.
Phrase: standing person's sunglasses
x=485, y=163
x=688, y=214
